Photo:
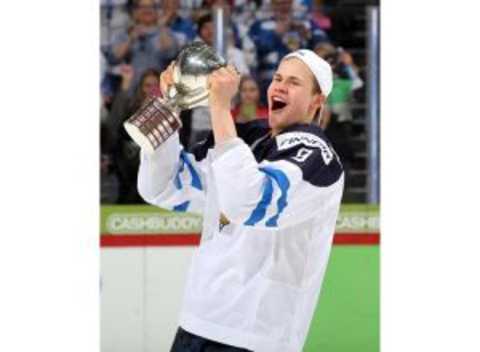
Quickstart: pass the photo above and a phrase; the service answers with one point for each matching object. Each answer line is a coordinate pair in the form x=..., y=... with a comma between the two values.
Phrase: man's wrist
x=222, y=123
x=219, y=109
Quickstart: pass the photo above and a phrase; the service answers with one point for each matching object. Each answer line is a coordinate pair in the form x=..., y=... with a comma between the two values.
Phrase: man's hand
x=223, y=85
x=126, y=72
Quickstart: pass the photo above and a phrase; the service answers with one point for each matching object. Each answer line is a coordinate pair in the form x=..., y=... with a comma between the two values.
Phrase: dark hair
x=202, y=20
x=245, y=78
x=139, y=95
x=136, y=3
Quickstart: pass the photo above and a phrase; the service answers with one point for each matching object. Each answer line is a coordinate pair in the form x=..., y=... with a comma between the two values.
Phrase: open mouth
x=278, y=104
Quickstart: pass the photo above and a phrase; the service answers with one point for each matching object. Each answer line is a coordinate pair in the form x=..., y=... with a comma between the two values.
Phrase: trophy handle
x=153, y=124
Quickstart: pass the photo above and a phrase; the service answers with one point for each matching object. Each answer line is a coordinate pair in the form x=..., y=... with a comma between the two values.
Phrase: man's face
x=170, y=5
x=282, y=8
x=146, y=12
x=207, y=32
x=290, y=95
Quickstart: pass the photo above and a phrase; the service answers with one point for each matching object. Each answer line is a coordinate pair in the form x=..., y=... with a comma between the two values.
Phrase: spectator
x=249, y=108
x=338, y=118
x=319, y=16
x=280, y=34
x=182, y=28
x=244, y=13
x=125, y=151
x=240, y=16
x=109, y=185
x=346, y=80
x=206, y=9
x=105, y=85
x=148, y=43
x=114, y=19
x=206, y=34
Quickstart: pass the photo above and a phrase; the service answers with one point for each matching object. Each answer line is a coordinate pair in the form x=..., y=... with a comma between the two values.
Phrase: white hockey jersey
x=255, y=278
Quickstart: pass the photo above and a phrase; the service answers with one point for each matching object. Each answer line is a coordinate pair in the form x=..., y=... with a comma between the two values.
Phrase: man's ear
x=318, y=101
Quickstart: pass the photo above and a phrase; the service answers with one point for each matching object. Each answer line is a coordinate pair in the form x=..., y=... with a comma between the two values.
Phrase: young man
x=269, y=199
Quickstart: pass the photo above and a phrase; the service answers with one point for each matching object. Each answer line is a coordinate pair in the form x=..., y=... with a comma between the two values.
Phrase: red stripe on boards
x=193, y=239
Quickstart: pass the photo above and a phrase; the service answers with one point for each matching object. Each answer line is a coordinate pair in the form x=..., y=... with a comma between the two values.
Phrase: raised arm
x=170, y=177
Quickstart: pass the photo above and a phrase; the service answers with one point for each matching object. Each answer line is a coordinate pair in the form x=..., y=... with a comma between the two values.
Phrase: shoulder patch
x=292, y=139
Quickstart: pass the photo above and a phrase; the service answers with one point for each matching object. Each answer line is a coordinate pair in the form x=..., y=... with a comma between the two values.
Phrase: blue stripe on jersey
x=196, y=183
x=282, y=181
x=182, y=206
x=177, y=181
x=261, y=209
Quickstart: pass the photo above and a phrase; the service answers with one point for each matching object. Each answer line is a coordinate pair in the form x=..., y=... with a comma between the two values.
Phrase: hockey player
x=269, y=196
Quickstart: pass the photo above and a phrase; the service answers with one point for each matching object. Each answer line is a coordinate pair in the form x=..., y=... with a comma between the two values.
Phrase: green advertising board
x=145, y=219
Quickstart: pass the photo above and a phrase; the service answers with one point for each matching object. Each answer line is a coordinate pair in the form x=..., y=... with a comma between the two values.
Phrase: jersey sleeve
x=171, y=178
x=293, y=185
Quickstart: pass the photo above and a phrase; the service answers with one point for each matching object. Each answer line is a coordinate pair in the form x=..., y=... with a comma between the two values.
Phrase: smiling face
x=292, y=97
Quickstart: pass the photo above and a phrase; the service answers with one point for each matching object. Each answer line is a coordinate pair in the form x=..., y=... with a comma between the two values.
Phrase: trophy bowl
x=158, y=119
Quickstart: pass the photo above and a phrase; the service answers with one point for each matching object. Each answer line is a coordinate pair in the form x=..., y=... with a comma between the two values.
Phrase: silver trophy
x=158, y=119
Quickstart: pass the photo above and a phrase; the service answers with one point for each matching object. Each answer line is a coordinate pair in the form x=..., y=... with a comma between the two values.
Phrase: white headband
x=319, y=67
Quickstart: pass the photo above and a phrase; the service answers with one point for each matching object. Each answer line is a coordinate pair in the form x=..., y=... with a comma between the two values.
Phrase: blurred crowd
x=140, y=38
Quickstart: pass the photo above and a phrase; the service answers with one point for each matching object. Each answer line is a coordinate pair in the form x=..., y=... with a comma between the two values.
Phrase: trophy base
x=152, y=125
